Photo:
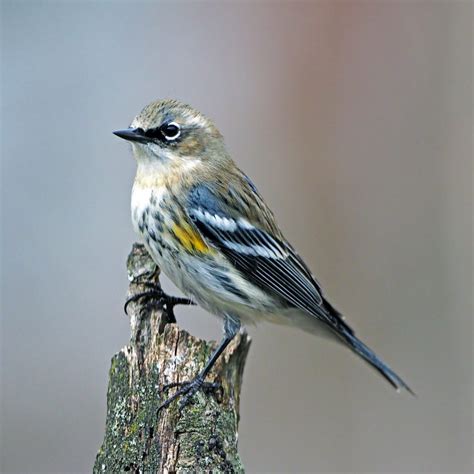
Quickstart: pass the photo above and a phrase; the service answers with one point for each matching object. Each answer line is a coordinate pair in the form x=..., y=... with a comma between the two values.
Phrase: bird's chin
x=142, y=152
x=151, y=153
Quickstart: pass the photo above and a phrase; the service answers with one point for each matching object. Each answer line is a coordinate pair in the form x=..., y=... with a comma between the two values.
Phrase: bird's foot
x=187, y=390
x=156, y=298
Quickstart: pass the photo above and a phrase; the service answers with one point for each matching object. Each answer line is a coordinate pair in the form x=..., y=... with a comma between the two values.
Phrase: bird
x=209, y=229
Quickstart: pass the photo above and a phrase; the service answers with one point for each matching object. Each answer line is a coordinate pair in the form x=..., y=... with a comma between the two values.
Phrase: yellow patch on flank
x=190, y=239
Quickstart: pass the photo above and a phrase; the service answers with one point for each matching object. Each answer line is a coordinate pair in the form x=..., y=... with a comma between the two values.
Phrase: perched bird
x=208, y=228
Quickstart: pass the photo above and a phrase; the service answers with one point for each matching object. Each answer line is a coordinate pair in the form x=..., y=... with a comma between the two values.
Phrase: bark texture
x=138, y=439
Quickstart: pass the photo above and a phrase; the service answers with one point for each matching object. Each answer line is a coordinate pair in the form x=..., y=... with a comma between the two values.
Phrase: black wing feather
x=271, y=263
x=265, y=260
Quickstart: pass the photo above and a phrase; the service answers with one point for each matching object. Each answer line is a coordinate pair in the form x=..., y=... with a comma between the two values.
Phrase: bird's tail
x=369, y=356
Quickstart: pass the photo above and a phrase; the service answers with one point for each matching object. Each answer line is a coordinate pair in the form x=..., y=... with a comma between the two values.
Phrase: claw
x=187, y=391
x=160, y=300
x=139, y=296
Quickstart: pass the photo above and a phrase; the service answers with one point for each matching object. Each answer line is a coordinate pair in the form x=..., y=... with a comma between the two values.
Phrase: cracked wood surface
x=138, y=439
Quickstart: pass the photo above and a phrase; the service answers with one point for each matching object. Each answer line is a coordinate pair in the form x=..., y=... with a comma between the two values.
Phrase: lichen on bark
x=203, y=437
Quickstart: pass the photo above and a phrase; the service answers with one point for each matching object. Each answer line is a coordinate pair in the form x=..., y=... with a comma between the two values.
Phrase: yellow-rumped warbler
x=208, y=228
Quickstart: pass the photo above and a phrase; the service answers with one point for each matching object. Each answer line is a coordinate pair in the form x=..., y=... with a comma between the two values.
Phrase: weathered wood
x=138, y=439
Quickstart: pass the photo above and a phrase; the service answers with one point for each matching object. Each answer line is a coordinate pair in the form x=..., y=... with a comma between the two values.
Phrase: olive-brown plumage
x=206, y=225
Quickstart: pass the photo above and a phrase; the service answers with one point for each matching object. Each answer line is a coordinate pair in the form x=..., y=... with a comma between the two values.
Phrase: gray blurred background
x=354, y=120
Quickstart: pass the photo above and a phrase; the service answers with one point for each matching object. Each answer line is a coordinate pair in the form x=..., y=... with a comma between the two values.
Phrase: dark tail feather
x=369, y=356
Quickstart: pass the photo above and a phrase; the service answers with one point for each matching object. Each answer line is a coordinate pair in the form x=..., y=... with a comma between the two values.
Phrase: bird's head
x=168, y=132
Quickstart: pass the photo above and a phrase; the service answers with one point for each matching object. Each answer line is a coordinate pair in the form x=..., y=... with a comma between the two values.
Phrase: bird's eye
x=170, y=131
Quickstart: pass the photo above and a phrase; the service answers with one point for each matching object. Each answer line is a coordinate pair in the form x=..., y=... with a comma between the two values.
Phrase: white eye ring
x=171, y=137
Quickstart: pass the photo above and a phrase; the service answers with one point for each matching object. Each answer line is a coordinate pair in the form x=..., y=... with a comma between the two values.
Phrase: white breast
x=141, y=197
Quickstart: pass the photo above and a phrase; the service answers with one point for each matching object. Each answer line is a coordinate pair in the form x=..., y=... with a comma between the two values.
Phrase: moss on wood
x=138, y=439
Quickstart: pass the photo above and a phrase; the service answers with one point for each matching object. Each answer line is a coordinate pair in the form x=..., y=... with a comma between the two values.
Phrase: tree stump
x=138, y=439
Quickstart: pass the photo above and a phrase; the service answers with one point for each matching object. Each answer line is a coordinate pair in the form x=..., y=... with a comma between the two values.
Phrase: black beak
x=132, y=135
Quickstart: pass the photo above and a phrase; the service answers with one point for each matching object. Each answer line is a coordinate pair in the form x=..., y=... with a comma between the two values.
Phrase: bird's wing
x=252, y=243
x=264, y=258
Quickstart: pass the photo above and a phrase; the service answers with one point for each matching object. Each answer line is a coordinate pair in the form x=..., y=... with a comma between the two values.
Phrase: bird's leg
x=189, y=389
x=155, y=297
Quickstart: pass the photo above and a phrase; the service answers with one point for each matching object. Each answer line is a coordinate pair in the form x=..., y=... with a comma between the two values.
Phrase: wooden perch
x=138, y=439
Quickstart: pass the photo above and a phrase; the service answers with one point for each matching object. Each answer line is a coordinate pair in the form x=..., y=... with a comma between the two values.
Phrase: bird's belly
x=205, y=276
x=208, y=280
x=215, y=288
